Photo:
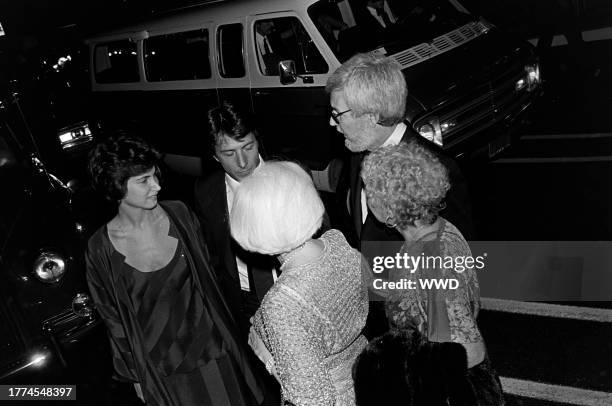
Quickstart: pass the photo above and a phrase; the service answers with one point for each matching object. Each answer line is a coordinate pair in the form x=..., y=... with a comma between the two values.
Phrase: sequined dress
x=311, y=322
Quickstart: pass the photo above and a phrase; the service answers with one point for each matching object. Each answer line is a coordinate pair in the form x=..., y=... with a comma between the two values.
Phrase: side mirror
x=286, y=71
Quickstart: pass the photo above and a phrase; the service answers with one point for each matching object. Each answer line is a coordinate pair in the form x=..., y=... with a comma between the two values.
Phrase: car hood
x=475, y=63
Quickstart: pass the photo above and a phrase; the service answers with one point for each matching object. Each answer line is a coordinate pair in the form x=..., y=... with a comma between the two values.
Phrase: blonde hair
x=276, y=209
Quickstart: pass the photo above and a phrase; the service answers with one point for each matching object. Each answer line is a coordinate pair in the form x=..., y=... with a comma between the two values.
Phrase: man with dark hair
x=245, y=277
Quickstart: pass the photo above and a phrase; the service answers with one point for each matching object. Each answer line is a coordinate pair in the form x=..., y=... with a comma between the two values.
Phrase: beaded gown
x=311, y=321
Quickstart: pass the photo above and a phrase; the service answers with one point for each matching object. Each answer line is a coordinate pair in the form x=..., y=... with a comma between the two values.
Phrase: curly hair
x=118, y=158
x=404, y=183
x=226, y=120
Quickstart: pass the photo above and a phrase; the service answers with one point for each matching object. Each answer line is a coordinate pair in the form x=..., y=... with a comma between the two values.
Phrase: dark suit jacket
x=375, y=238
x=458, y=208
x=211, y=208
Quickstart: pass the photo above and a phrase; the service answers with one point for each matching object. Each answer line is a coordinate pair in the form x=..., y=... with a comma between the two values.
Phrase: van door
x=293, y=118
x=233, y=79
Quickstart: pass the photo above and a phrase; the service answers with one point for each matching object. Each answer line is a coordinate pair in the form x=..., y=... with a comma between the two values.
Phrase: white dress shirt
x=394, y=139
x=230, y=187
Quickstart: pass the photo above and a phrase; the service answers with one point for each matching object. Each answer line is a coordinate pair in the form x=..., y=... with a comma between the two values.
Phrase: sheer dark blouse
x=170, y=329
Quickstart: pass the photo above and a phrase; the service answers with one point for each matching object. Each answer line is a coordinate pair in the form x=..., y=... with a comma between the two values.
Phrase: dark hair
x=402, y=368
x=227, y=120
x=113, y=161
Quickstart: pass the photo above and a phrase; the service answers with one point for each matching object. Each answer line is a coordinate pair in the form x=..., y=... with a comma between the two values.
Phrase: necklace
x=285, y=258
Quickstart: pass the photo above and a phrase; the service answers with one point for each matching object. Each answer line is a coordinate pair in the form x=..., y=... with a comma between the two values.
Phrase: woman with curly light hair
x=405, y=189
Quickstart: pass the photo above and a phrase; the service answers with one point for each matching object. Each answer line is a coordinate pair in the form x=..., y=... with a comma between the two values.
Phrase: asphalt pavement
x=553, y=185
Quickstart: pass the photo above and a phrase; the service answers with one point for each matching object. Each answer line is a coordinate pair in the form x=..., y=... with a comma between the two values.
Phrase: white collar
x=396, y=136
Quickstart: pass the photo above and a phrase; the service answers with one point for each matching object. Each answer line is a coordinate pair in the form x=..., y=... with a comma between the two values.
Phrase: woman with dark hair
x=170, y=329
x=244, y=277
x=405, y=189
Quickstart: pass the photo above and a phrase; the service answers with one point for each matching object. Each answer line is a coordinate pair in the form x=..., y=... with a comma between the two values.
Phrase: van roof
x=206, y=12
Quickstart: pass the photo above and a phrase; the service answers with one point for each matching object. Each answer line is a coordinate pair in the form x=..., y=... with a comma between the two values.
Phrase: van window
x=177, y=56
x=285, y=38
x=231, y=59
x=116, y=62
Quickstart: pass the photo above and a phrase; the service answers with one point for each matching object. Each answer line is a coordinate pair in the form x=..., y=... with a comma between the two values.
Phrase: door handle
x=262, y=93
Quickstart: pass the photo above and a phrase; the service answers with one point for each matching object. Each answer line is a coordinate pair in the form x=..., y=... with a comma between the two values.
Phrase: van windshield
x=385, y=26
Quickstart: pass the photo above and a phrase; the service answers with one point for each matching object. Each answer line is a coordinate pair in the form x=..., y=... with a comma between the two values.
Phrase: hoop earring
x=389, y=223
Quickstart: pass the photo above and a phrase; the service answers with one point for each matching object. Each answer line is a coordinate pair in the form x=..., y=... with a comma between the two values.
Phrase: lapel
x=355, y=191
x=409, y=134
x=357, y=184
x=214, y=193
x=217, y=215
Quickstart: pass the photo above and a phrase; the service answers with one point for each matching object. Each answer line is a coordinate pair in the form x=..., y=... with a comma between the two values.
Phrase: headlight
x=75, y=135
x=38, y=359
x=427, y=131
x=433, y=130
x=49, y=267
x=531, y=79
x=82, y=305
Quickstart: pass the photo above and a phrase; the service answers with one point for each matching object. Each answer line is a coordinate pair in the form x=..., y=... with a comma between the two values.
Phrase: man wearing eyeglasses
x=368, y=102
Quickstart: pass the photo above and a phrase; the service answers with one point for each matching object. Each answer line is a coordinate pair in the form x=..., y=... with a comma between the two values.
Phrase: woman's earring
x=389, y=222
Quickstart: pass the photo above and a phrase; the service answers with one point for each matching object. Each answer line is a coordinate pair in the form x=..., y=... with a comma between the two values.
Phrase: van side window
x=177, y=56
x=116, y=62
x=231, y=56
x=277, y=39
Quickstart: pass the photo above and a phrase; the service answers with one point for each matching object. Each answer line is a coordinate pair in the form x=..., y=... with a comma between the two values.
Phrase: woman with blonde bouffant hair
x=308, y=329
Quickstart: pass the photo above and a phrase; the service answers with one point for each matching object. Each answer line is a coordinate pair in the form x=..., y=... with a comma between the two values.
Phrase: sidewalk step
x=565, y=352
x=555, y=393
x=561, y=148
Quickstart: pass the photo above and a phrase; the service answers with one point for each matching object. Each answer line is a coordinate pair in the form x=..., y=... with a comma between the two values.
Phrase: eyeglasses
x=335, y=116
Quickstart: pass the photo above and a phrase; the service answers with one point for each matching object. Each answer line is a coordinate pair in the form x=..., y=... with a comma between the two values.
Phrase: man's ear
x=373, y=119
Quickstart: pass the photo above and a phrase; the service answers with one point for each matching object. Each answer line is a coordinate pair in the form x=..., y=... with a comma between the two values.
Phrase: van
x=468, y=81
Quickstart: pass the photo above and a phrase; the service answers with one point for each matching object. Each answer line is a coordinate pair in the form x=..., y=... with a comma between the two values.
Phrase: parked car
x=469, y=81
x=45, y=308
